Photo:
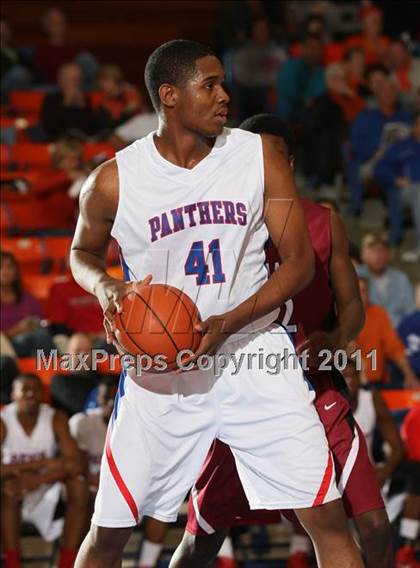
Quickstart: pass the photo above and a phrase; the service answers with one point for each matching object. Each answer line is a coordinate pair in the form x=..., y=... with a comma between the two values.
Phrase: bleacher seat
x=31, y=155
x=98, y=151
x=39, y=285
x=26, y=103
x=58, y=250
x=29, y=252
x=6, y=219
x=4, y=155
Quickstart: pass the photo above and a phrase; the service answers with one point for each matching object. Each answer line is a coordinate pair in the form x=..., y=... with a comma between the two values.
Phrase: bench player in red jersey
x=217, y=500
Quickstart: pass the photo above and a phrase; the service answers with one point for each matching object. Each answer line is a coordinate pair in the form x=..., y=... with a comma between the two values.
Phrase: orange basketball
x=157, y=320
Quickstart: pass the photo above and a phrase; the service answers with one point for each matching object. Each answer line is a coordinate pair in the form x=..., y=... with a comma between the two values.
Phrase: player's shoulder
x=101, y=187
x=237, y=137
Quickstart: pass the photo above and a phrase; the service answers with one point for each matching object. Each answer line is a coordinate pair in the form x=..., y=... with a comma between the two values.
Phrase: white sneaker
x=411, y=256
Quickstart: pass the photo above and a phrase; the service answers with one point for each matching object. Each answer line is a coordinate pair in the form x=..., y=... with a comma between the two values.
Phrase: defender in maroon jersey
x=217, y=500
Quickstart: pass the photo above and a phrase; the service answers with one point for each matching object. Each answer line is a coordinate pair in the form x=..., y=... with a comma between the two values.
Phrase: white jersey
x=200, y=230
x=18, y=447
x=365, y=415
x=38, y=506
x=89, y=431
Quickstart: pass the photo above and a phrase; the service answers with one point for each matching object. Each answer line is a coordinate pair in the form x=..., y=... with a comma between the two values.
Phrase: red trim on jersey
x=125, y=492
x=326, y=482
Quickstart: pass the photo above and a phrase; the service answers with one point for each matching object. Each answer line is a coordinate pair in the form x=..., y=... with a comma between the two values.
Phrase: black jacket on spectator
x=58, y=119
x=324, y=129
x=8, y=372
x=69, y=392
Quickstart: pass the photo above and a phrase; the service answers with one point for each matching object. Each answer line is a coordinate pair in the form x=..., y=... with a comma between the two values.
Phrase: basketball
x=157, y=320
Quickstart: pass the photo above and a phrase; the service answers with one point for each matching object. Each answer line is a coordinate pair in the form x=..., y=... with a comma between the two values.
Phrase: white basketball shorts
x=157, y=443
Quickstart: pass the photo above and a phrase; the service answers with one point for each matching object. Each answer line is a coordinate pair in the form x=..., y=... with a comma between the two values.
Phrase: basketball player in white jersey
x=89, y=431
x=37, y=452
x=193, y=204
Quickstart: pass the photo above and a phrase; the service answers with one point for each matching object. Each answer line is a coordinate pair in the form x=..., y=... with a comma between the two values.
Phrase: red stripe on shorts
x=325, y=483
x=125, y=492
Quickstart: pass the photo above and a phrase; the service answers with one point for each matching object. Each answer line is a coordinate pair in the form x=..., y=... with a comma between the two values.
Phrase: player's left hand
x=214, y=331
x=317, y=342
x=382, y=474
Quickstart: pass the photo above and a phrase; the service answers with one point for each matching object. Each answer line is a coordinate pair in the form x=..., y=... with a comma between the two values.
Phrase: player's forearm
x=351, y=319
x=291, y=277
x=88, y=270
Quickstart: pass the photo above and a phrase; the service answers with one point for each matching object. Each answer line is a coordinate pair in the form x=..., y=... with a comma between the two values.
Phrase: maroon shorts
x=217, y=499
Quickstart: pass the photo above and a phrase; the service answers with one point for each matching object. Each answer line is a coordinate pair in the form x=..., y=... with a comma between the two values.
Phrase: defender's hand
x=315, y=343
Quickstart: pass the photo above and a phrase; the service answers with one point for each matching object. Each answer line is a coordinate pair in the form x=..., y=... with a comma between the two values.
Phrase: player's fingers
x=201, y=327
x=108, y=331
x=146, y=280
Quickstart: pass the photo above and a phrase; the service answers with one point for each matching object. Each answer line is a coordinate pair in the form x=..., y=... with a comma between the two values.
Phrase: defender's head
x=184, y=80
x=275, y=128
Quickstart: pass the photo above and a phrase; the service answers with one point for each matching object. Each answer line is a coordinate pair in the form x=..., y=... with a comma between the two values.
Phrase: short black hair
x=27, y=376
x=271, y=124
x=172, y=62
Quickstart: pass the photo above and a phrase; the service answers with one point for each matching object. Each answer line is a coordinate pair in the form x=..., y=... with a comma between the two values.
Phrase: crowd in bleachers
x=353, y=98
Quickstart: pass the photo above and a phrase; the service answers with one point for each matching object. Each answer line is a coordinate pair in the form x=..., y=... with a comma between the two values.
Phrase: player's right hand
x=110, y=295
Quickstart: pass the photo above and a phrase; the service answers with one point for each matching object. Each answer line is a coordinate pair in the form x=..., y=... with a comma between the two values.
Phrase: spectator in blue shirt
x=409, y=332
x=301, y=79
x=369, y=136
x=398, y=172
x=388, y=287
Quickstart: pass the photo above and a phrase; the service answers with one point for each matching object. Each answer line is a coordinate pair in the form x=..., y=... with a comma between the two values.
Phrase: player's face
x=106, y=397
x=27, y=393
x=202, y=104
x=376, y=257
x=7, y=271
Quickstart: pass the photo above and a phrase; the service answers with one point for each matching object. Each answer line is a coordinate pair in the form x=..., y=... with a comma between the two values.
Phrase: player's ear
x=292, y=162
x=168, y=95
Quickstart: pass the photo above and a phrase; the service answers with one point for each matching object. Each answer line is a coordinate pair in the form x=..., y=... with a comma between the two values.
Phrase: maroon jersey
x=218, y=499
x=313, y=308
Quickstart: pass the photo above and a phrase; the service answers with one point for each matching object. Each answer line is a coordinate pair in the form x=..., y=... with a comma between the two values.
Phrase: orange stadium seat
x=99, y=151
x=6, y=219
x=4, y=155
x=32, y=155
x=29, y=252
x=58, y=249
x=39, y=285
x=26, y=102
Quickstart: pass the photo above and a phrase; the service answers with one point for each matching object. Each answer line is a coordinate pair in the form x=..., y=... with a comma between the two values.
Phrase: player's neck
x=182, y=147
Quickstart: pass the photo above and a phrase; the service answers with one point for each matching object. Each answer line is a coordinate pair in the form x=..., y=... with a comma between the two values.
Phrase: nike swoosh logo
x=328, y=406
